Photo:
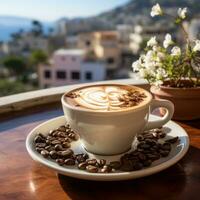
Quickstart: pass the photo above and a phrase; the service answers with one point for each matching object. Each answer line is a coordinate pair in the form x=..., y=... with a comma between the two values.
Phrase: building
x=70, y=67
x=25, y=43
x=103, y=46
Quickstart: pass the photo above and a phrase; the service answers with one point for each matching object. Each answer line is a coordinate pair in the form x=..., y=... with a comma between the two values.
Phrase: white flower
x=152, y=42
x=156, y=10
x=182, y=12
x=176, y=51
x=160, y=73
x=136, y=65
x=168, y=40
x=143, y=73
x=197, y=45
x=158, y=83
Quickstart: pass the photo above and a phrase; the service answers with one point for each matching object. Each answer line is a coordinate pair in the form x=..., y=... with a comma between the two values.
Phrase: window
x=47, y=74
x=61, y=75
x=110, y=60
x=87, y=43
x=88, y=75
x=75, y=75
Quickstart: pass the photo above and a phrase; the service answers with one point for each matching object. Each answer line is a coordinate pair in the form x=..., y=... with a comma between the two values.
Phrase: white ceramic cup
x=113, y=132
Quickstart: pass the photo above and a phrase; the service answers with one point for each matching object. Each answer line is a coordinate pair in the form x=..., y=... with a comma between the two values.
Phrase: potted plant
x=173, y=71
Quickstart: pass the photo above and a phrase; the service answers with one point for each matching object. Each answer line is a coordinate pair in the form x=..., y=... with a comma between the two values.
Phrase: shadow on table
x=180, y=181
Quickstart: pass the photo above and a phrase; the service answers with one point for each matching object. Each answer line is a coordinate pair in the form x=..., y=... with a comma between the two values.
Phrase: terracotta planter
x=186, y=101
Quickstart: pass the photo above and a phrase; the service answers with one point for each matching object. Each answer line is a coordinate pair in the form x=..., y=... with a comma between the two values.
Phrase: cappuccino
x=107, y=97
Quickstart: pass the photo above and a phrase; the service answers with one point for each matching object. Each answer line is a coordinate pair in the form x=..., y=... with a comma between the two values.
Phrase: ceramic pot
x=186, y=101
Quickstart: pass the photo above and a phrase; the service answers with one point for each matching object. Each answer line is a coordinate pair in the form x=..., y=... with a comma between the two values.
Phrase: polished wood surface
x=21, y=178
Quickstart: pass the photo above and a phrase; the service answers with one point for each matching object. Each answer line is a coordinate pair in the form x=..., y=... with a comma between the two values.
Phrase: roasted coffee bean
x=72, y=136
x=54, y=142
x=140, y=138
x=85, y=155
x=137, y=165
x=69, y=161
x=53, y=154
x=161, y=135
x=38, y=149
x=41, y=135
x=142, y=156
x=106, y=169
x=80, y=158
x=38, y=139
x=92, y=162
x=115, y=165
x=127, y=166
x=82, y=165
x=166, y=146
x=164, y=153
x=92, y=169
x=48, y=148
x=145, y=146
x=60, y=161
x=147, y=163
x=149, y=136
x=102, y=162
x=172, y=140
x=66, y=145
x=40, y=145
x=62, y=128
x=58, y=147
x=153, y=156
x=67, y=153
x=44, y=153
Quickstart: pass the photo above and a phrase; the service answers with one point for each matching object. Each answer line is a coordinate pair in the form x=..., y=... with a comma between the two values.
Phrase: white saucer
x=172, y=129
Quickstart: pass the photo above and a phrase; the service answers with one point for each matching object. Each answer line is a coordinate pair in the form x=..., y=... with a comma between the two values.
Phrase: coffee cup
x=106, y=124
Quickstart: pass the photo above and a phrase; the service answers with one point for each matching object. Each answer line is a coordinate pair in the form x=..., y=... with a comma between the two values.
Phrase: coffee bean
x=147, y=163
x=137, y=165
x=53, y=154
x=60, y=161
x=92, y=162
x=38, y=139
x=66, y=145
x=54, y=142
x=69, y=161
x=127, y=166
x=41, y=135
x=40, y=145
x=140, y=138
x=92, y=169
x=172, y=140
x=80, y=158
x=166, y=146
x=164, y=153
x=102, y=162
x=38, y=149
x=115, y=165
x=161, y=135
x=82, y=165
x=145, y=146
x=62, y=128
x=58, y=147
x=44, y=153
x=142, y=156
x=153, y=156
x=106, y=169
x=67, y=153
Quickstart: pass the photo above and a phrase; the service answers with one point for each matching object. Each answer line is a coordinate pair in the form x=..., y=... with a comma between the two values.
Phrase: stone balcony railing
x=21, y=101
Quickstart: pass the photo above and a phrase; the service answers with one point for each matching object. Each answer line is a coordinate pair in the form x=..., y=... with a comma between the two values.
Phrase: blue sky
x=49, y=10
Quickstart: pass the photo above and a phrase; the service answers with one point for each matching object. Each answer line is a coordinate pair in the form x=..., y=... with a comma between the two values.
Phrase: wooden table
x=21, y=178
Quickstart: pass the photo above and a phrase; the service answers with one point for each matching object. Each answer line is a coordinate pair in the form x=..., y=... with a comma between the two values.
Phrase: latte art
x=105, y=98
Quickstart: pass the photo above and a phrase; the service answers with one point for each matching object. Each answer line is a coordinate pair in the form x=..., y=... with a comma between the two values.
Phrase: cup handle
x=168, y=105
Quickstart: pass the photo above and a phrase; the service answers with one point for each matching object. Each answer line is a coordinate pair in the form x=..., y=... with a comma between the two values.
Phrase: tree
x=37, y=28
x=38, y=56
x=16, y=65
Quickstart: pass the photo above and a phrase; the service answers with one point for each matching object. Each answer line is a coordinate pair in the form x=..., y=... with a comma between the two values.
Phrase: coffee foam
x=101, y=97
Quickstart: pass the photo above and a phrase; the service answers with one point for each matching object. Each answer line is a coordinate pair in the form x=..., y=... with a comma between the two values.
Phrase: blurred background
x=52, y=43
